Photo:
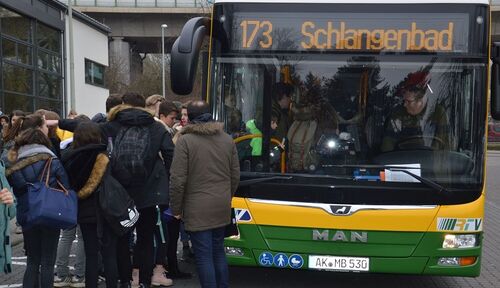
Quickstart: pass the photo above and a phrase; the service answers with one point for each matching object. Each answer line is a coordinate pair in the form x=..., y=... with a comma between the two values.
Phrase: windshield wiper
x=436, y=186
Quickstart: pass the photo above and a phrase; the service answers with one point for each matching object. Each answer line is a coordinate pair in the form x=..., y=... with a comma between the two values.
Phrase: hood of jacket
x=207, y=129
x=79, y=163
x=33, y=149
x=130, y=115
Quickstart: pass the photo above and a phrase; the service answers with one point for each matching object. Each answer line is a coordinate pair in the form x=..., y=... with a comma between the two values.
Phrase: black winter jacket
x=156, y=189
x=85, y=167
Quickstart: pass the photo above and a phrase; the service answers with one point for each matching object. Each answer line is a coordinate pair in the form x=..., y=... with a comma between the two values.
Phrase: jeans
x=210, y=257
x=64, y=249
x=41, y=247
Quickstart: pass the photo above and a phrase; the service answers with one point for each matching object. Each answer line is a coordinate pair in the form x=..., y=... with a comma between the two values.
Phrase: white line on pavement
x=11, y=285
x=18, y=263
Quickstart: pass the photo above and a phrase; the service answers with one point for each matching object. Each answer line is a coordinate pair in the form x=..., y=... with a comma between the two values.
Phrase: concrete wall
x=93, y=45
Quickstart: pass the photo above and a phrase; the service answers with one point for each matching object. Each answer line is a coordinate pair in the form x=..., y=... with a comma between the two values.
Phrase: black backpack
x=116, y=206
x=130, y=154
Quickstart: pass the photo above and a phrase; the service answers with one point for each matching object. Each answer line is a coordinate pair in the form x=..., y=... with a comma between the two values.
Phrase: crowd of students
x=168, y=192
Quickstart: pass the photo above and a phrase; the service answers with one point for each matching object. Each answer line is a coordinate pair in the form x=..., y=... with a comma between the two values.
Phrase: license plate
x=335, y=263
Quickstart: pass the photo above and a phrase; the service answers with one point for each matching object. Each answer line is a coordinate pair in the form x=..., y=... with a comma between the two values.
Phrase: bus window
x=242, y=90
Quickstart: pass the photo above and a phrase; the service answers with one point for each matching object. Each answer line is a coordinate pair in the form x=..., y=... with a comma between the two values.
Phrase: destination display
x=431, y=32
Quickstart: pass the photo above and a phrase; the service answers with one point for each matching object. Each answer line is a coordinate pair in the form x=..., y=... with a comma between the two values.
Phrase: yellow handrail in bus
x=273, y=140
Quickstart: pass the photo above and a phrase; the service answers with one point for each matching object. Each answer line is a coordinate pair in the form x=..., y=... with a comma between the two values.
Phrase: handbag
x=51, y=207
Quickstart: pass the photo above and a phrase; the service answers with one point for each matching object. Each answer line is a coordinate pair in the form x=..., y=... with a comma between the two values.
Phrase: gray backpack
x=129, y=156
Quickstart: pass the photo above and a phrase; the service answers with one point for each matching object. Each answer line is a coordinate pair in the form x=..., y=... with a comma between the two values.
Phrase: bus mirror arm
x=184, y=55
x=495, y=81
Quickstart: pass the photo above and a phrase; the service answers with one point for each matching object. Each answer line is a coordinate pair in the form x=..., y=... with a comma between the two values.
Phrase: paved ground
x=259, y=277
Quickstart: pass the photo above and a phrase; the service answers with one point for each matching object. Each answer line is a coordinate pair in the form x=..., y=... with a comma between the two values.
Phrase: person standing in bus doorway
x=281, y=108
x=416, y=123
x=205, y=173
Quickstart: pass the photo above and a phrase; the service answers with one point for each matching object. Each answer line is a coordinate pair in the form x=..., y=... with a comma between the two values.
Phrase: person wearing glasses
x=417, y=124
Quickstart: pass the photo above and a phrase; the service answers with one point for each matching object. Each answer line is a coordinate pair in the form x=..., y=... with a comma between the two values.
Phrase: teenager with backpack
x=138, y=141
x=29, y=156
x=86, y=162
x=137, y=165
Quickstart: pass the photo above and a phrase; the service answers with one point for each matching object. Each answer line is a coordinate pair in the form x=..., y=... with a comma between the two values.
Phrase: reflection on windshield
x=302, y=114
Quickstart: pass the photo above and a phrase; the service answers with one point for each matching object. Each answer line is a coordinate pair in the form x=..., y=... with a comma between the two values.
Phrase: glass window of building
x=48, y=38
x=30, y=63
x=15, y=25
x=94, y=73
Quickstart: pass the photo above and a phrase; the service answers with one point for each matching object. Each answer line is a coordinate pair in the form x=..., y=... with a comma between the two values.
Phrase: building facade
x=34, y=58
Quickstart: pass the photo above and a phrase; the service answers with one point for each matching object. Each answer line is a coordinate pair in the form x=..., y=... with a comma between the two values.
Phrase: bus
x=360, y=127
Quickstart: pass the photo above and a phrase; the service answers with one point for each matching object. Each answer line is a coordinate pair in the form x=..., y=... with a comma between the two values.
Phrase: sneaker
x=62, y=282
x=135, y=278
x=77, y=282
x=159, y=278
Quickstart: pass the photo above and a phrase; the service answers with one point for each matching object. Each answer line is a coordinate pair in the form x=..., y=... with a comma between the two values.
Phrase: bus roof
x=362, y=1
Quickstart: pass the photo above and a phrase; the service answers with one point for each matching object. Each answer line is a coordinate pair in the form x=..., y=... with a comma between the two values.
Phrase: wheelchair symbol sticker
x=266, y=259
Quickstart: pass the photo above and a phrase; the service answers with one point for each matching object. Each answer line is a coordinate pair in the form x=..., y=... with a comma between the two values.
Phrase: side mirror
x=184, y=55
x=495, y=81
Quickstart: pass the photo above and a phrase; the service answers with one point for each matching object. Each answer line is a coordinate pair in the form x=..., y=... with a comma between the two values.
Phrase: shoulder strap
x=46, y=170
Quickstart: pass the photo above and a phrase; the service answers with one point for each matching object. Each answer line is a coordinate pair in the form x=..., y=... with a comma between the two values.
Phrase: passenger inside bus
x=315, y=120
x=415, y=124
x=281, y=109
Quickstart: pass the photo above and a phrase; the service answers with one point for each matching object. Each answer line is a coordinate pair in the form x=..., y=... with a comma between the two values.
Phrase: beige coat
x=204, y=175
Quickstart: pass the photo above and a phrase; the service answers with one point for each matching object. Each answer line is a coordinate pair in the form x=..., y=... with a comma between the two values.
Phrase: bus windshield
x=355, y=111
x=318, y=104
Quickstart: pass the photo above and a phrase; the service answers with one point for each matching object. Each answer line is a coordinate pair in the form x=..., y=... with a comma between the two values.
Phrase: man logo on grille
x=340, y=210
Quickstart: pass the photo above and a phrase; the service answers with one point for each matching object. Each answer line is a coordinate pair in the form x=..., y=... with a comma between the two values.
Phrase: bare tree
x=114, y=75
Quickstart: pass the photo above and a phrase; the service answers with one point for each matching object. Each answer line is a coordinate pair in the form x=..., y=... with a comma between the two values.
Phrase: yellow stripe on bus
x=420, y=220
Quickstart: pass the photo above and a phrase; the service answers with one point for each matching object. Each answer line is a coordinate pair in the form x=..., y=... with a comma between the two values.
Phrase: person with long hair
x=54, y=137
x=21, y=124
x=29, y=156
x=7, y=135
x=86, y=162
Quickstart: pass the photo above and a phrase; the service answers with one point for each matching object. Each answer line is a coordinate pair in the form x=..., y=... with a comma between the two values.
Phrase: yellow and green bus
x=360, y=127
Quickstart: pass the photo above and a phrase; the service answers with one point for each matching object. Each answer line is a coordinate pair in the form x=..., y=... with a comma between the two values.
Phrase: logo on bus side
x=344, y=236
x=341, y=210
x=460, y=224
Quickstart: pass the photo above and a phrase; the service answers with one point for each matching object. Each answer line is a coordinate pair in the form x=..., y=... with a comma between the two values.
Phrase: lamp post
x=163, y=27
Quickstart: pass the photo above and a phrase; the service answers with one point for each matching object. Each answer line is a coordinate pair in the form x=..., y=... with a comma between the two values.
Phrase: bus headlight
x=459, y=241
x=234, y=251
